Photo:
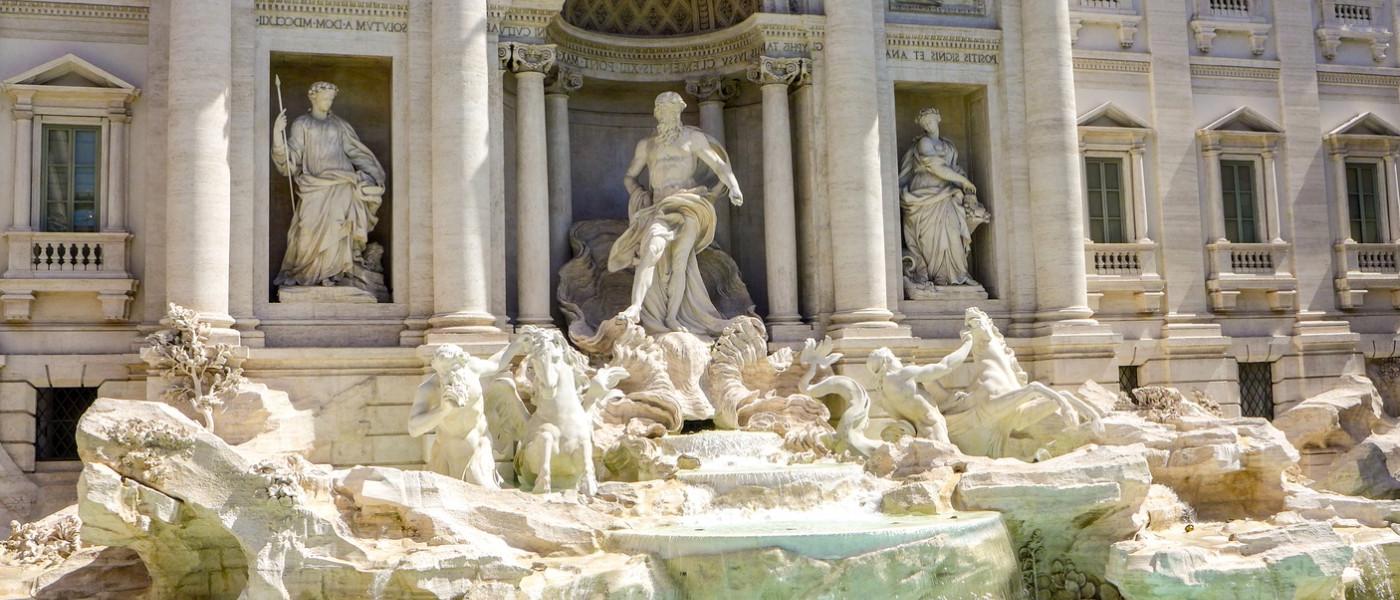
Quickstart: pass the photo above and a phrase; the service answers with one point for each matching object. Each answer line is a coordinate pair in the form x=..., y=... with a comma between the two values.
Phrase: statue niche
x=337, y=188
x=940, y=212
x=658, y=269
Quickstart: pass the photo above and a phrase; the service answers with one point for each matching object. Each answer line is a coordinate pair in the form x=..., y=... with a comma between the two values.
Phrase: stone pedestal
x=306, y=294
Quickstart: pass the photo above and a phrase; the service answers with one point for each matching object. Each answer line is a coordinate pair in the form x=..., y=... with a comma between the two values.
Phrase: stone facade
x=506, y=123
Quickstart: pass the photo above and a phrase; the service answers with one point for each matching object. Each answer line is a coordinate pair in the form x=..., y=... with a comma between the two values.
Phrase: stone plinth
x=307, y=294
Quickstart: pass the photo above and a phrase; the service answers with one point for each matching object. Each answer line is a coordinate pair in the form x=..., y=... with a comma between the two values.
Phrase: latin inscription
x=335, y=23
x=942, y=56
x=657, y=68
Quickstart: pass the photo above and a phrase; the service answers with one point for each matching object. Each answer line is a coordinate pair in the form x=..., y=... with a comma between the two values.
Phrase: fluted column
x=712, y=93
x=530, y=63
x=1056, y=177
x=557, y=88
x=24, y=147
x=198, y=194
x=115, y=213
x=774, y=75
x=853, y=168
x=461, y=179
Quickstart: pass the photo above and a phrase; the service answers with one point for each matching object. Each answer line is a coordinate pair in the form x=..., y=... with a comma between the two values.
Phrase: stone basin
x=824, y=539
x=726, y=479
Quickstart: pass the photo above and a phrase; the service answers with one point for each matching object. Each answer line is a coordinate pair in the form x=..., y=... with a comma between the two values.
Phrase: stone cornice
x=74, y=10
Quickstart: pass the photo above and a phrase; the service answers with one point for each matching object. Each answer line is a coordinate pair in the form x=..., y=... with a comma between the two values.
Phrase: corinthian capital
x=785, y=71
x=563, y=81
x=708, y=89
x=517, y=57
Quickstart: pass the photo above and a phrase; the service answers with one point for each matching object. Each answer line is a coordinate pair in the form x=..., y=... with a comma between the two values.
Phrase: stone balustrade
x=48, y=262
x=1360, y=20
x=1364, y=268
x=1124, y=269
x=1238, y=268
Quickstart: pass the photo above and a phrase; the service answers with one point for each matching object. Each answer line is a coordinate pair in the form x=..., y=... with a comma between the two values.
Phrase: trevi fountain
x=845, y=347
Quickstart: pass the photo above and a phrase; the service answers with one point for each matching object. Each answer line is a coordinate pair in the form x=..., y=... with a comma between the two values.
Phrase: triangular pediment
x=1366, y=123
x=69, y=71
x=1109, y=114
x=1244, y=119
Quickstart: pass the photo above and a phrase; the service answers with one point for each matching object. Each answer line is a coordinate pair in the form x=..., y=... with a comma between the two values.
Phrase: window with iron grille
x=1257, y=390
x=1128, y=378
x=56, y=415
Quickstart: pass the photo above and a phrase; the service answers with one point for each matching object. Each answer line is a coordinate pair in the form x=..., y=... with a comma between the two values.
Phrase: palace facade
x=1196, y=193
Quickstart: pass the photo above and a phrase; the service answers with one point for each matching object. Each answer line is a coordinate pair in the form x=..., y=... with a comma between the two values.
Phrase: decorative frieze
x=73, y=10
x=1111, y=65
x=1358, y=79
x=1234, y=72
x=361, y=16
x=961, y=8
x=517, y=57
x=942, y=45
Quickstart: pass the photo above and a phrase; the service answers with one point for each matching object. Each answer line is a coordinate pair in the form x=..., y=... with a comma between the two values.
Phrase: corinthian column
x=774, y=75
x=198, y=197
x=530, y=63
x=1052, y=146
x=853, y=167
x=712, y=93
x=557, y=88
x=461, y=180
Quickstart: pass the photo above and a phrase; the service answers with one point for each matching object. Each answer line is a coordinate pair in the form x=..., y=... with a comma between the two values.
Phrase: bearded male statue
x=452, y=402
x=670, y=221
x=339, y=187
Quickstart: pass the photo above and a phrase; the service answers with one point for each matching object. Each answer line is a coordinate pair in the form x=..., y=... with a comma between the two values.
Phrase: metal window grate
x=1128, y=378
x=56, y=414
x=1257, y=390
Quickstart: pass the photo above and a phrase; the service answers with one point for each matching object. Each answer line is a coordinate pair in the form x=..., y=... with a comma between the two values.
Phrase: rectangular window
x=1237, y=191
x=56, y=414
x=69, y=176
x=1103, y=181
x=1257, y=390
x=1363, y=206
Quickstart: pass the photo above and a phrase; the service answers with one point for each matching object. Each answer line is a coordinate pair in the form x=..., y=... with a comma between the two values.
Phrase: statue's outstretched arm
x=931, y=373
x=425, y=414
x=712, y=154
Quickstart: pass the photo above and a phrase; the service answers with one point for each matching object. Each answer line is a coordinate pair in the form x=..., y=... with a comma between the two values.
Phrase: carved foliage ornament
x=718, y=89
x=516, y=57
x=785, y=71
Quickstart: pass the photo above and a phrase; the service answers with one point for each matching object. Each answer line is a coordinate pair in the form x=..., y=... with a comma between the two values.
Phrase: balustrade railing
x=1112, y=5
x=47, y=254
x=1352, y=14
x=1229, y=8
x=1120, y=260
x=1381, y=259
x=1264, y=259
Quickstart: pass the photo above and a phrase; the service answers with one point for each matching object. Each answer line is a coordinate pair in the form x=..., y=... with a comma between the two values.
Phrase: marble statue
x=452, y=401
x=1002, y=413
x=940, y=209
x=670, y=221
x=555, y=442
x=339, y=187
x=901, y=390
x=850, y=429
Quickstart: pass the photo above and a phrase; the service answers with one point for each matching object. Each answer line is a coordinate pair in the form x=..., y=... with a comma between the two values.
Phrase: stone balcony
x=66, y=263
x=1122, y=15
x=1128, y=269
x=1365, y=21
x=1257, y=268
x=1365, y=268
x=1214, y=17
